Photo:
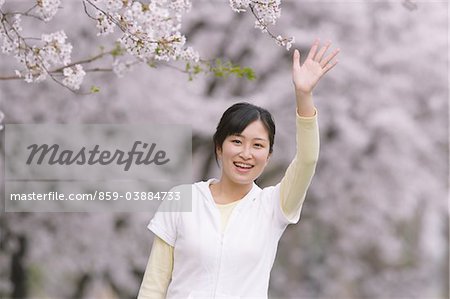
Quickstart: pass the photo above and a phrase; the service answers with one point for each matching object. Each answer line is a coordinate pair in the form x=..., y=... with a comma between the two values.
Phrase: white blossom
x=16, y=23
x=73, y=76
x=289, y=43
x=180, y=5
x=285, y=42
x=239, y=5
x=104, y=24
x=10, y=41
x=56, y=50
x=137, y=47
x=1, y=3
x=189, y=54
x=268, y=10
x=121, y=67
x=48, y=8
x=150, y=30
x=114, y=5
x=170, y=47
x=9, y=46
x=35, y=70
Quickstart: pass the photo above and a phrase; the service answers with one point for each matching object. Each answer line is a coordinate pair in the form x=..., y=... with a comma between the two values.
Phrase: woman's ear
x=268, y=158
x=219, y=152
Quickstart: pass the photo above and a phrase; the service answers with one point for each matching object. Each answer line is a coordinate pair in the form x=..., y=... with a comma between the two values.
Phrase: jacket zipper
x=220, y=262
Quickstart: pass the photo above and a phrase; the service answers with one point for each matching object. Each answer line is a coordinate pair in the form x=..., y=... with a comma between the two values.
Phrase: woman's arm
x=299, y=174
x=158, y=272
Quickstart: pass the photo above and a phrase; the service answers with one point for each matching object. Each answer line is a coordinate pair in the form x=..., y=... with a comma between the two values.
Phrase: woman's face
x=244, y=156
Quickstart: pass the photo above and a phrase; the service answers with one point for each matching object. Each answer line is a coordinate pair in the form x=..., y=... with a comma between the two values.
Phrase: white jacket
x=233, y=264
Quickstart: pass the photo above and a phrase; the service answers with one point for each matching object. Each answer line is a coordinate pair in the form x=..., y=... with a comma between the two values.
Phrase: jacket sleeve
x=158, y=272
x=300, y=172
x=164, y=223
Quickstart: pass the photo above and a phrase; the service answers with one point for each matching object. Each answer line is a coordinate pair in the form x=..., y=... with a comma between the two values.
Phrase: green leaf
x=220, y=69
x=95, y=89
x=117, y=51
x=151, y=63
x=197, y=69
x=249, y=73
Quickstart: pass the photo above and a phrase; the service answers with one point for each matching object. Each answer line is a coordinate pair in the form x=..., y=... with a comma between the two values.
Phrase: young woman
x=226, y=247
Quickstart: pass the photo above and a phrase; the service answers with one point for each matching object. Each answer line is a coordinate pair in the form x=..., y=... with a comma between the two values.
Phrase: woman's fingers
x=329, y=66
x=322, y=51
x=326, y=63
x=296, y=59
x=328, y=58
x=313, y=50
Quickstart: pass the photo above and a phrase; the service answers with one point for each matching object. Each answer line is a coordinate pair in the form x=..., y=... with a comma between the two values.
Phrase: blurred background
x=375, y=223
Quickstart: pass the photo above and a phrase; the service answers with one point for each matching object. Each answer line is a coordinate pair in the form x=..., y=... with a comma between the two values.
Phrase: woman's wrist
x=305, y=105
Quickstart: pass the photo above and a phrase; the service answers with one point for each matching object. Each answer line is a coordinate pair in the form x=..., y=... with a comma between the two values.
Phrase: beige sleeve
x=300, y=172
x=158, y=272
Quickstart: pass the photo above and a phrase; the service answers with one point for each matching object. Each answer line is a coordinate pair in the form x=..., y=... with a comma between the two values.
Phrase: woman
x=225, y=247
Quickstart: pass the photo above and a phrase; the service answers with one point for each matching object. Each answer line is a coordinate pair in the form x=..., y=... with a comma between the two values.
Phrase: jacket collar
x=206, y=192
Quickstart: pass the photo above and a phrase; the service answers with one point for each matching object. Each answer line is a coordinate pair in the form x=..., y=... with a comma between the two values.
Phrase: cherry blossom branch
x=60, y=69
x=285, y=42
x=140, y=39
x=25, y=14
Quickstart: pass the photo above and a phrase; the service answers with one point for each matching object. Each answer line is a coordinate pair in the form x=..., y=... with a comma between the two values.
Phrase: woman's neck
x=226, y=191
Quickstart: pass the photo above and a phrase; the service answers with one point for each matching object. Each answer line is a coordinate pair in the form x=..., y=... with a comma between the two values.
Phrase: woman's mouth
x=243, y=167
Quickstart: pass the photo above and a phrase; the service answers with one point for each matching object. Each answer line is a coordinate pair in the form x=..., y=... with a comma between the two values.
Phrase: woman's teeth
x=243, y=165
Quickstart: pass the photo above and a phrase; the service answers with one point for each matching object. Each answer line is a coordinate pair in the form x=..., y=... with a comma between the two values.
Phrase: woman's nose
x=246, y=152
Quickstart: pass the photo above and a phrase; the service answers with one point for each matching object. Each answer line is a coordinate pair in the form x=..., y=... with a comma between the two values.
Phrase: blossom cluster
x=266, y=13
x=73, y=76
x=285, y=42
x=39, y=57
x=47, y=8
x=148, y=30
x=121, y=67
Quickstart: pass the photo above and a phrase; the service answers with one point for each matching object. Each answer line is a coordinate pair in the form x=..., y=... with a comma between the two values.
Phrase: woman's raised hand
x=305, y=77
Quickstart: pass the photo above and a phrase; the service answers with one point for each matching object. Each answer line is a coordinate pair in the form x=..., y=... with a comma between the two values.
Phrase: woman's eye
x=236, y=141
x=258, y=145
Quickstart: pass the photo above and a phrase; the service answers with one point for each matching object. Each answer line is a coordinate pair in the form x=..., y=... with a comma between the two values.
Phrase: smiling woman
x=226, y=247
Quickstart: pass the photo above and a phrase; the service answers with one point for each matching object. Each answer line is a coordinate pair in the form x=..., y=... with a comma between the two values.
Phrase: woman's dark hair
x=236, y=118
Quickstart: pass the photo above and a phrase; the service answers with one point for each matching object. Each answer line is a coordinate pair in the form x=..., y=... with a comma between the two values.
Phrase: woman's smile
x=243, y=167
